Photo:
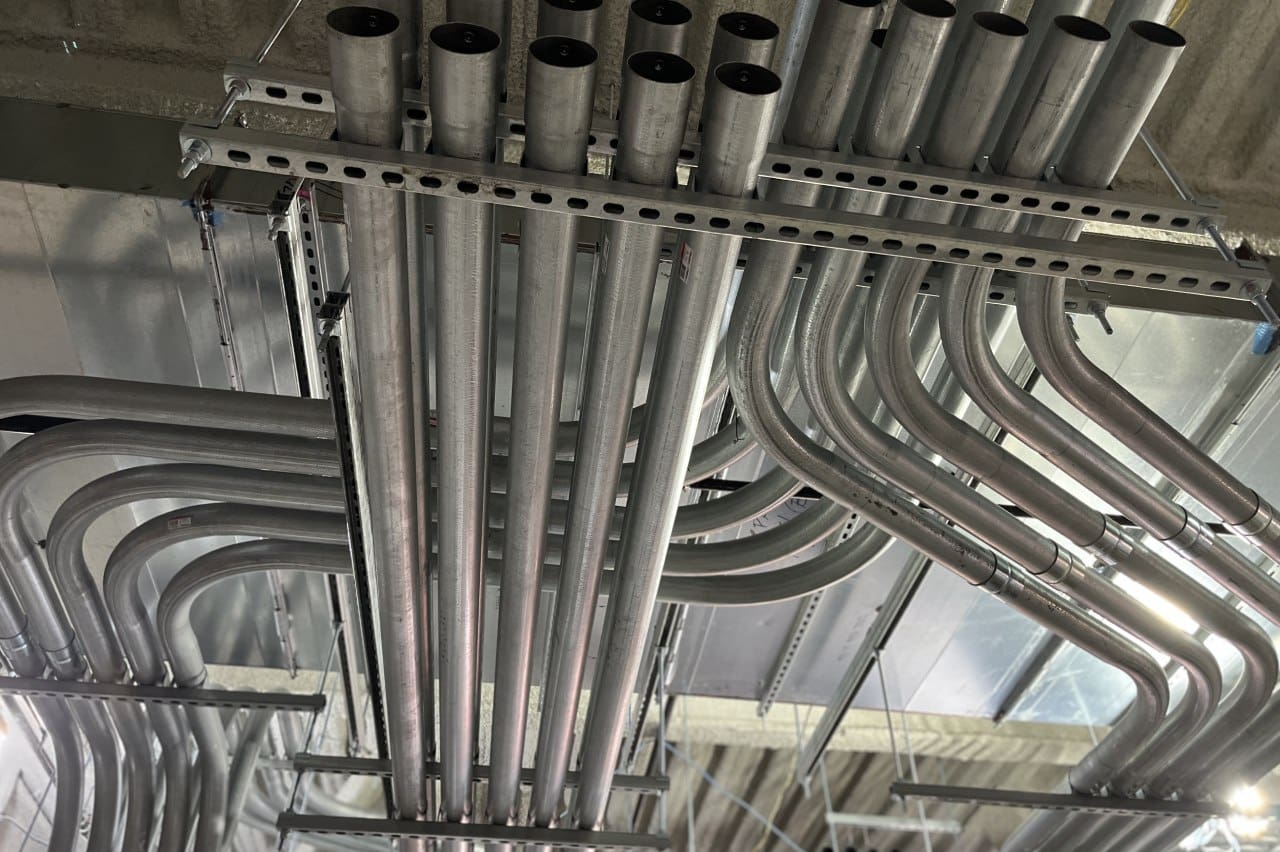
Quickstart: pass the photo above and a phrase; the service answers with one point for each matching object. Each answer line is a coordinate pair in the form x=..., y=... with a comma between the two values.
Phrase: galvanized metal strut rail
x=845, y=171
x=1112, y=261
x=223, y=698
x=289, y=822
x=1059, y=801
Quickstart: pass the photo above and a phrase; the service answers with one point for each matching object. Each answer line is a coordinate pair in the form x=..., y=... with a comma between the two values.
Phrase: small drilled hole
x=844, y=177
x=277, y=162
x=1025, y=262
x=753, y=228
x=1090, y=269
x=813, y=172
x=823, y=236
x=1219, y=286
x=392, y=178
x=1188, y=282
x=997, y=296
x=613, y=209
x=238, y=156
x=1150, y=219
x=1156, y=278
x=924, y=287
x=857, y=240
x=540, y=198
x=276, y=92
x=684, y=218
x=649, y=213
x=354, y=172
x=1031, y=203
x=430, y=182
x=907, y=185
x=317, y=168
x=891, y=245
x=1090, y=210
x=1060, y=206
x=969, y=194
x=719, y=222
x=312, y=98
x=517, y=129
x=504, y=192
x=939, y=189
x=1120, y=215
x=788, y=231
x=992, y=257
x=577, y=203
x=926, y=249
x=1124, y=274
x=1058, y=266
x=1180, y=221
x=686, y=154
x=416, y=114
x=781, y=168
x=876, y=180
x=613, y=143
x=958, y=254
x=591, y=139
x=466, y=187
x=999, y=198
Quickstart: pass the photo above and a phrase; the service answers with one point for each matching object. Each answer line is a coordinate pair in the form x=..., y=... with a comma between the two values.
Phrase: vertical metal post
x=662, y=738
x=826, y=800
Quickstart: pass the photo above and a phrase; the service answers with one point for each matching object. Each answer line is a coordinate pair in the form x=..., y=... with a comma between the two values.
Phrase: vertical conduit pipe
x=465, y=81
x=492, y=15
x=69, y=774
x=740, y=108
x=575, y=19
x=655, y=107
x=661, y=26
x=559, y=92
x=368, y=91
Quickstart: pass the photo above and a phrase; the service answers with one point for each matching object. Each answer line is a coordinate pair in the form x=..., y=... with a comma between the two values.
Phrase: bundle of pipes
x=1031, y=96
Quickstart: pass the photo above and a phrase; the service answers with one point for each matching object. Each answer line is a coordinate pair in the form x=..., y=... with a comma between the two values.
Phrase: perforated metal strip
x=289, y=822
x=311, y=92
x=227, y=698
x=1117, y=261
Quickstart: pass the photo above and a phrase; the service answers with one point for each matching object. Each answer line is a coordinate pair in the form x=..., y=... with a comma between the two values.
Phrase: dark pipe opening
x=932, y=8
x=362, y=21
x=562, y=52
x=465, y=38
x=1000, y=24
x=575, y=5
x=748, y=79
x=660, y=67
x=1082, y=28
x=749, y=26
x=662, y=12
x=1158, y=33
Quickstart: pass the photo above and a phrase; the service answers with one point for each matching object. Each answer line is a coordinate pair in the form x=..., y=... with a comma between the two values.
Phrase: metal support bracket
x=1060, y=801
x=304, y=762
x=1117, y=262
x=487, y=833
x=312, y=92
x=228, y=698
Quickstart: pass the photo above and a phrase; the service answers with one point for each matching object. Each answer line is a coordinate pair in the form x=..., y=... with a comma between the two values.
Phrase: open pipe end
x=470, y=39
x=562, y=52
x=862, y=4
x=1082, y=28
x=1157, y=33
x=748, y=79
x=662, y=12
x=878, y=37
x=658, y=67
x=1000, y=24
x=362, y=22
x=930, y=8
x=748, y=26
x=575, y=5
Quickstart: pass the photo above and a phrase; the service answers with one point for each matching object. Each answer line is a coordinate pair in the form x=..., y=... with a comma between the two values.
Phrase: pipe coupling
x=66, y=662
x=22, y=655
x=1194, y=539
x=1064, y=564
x=1263, y=524
x=998, y=577
x=1113, y=546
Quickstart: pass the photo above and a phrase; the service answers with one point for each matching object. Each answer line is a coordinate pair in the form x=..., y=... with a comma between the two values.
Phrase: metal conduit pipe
x=655, y=106
x=907, y=398
x=136, y=740
x=739, y=112
x=575, y=19
x=171, y=730
x=492, y=15
x=101, y=740
x=465, y=83
x=368, y=90
x=984, y=62
x=739, y=37
x=1098, y=395
x=559, y=93
x=68, y=772
x=130, y=556
x=173, y=622
x=657, y=26
x=759, y=304
x=243, y=767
